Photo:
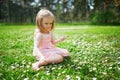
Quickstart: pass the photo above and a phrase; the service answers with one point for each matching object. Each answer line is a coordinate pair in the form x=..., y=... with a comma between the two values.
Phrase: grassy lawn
x=95, y=54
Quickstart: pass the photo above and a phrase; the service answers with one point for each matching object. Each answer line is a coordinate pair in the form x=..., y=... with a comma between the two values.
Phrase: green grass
x=95, y=53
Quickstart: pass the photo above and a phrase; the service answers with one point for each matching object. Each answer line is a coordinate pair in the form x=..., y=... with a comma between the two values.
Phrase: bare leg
x=54, y=58
x=66, y=54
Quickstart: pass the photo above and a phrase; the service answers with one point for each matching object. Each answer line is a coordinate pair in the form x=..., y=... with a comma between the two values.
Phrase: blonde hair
x=40, y=15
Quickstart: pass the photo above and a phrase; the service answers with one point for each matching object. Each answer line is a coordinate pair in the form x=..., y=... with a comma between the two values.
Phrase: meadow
x=95, y=53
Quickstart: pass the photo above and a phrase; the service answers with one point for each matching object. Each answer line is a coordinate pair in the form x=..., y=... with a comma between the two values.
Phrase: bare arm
x=59, y=40
x=36, y=51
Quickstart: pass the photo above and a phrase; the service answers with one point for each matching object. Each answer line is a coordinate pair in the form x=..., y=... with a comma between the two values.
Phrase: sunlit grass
x=95, y=54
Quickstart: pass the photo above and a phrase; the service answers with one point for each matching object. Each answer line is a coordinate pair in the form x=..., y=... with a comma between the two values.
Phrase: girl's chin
x=49, y=30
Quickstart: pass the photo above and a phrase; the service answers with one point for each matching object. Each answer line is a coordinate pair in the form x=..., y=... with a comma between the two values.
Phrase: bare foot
x=35, y=66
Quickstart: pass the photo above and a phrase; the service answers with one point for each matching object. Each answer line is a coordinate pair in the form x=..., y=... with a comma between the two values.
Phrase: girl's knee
x=59, y=59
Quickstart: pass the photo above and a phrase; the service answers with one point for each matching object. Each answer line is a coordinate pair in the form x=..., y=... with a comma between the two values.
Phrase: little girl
x=45, y=50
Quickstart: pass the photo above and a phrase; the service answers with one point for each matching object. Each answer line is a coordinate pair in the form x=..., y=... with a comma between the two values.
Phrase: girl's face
x=47, y=23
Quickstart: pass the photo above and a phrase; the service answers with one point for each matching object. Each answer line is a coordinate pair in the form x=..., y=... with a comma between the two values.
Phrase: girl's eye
x=46, y=23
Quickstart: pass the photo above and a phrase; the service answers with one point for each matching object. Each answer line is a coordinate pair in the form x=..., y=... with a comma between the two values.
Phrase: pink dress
x=47, y=48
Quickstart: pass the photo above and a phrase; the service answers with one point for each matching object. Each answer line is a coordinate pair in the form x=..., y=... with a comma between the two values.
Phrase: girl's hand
x=63, y=38
x=60, y=40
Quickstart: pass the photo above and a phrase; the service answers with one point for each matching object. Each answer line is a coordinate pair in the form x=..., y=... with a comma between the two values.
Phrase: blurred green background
x=65, y=11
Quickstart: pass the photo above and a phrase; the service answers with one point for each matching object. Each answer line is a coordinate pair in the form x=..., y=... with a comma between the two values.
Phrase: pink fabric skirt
x=51, y=51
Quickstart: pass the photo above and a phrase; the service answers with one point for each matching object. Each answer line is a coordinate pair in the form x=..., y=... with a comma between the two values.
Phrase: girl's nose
x=49, y=25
